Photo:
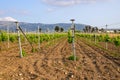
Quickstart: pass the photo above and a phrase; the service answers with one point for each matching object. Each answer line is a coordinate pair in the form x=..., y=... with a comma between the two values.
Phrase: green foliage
x=4, y=36
x=72, y=57
x=33, y=38
x=57, y=28
x=100, y=38
x=13, y=38
x=61, y=29
x=22, y=38
x=24, y=53
x=43, y=37
x=103, y=38
x=0, y=37
x=107, y=38
x=117, y=42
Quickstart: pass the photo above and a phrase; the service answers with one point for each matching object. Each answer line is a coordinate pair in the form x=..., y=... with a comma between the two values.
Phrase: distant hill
x=34, y=26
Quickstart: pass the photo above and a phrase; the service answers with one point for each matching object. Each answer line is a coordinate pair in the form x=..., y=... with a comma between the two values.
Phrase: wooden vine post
x=19, y=41
x=73, y=38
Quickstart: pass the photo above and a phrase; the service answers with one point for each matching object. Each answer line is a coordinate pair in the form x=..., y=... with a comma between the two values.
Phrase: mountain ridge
x=34, y=26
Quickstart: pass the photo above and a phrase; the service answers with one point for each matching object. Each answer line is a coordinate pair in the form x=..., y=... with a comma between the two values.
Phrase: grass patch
x=72, y=57
x=24, y=54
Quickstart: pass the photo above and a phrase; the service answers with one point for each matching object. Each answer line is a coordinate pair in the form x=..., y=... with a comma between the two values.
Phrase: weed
x=24, y=53
x=72, y=57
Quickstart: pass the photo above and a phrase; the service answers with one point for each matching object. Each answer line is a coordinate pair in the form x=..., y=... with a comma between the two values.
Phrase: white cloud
x=68, y=2
x=8, y=19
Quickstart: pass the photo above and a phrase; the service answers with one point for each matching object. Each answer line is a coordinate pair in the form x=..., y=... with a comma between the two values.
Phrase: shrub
x=4, y=36
x=107, y=38
x=12, y=38
x=117, y=42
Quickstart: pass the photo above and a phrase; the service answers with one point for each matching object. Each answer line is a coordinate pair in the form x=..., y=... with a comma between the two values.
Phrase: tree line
x=56, y=29
x=91, y=29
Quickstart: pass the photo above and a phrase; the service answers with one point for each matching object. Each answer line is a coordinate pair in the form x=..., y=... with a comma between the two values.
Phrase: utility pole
x=19, y=41
x=73, y=37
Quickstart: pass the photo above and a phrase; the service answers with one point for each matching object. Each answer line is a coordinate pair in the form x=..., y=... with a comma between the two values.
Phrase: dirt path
x=51, y=63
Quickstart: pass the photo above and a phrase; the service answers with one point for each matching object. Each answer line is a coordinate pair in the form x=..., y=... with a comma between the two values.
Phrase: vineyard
x=52, y=58
x=110, y=42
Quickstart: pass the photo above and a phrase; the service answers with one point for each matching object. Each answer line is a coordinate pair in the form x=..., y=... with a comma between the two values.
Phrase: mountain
x=34, y=26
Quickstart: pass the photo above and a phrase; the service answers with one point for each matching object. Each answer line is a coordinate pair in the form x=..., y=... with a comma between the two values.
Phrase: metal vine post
x=73, y=36
x=8, y=34
x=106, y=35
x=19, y=41
x=25, y=38
x=38, y=37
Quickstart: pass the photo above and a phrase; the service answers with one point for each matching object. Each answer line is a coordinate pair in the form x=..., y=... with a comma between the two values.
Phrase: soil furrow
x=98, y=60
x=52, y=63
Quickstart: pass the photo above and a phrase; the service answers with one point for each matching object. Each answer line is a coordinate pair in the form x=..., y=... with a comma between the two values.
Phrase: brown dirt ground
x=51, y=63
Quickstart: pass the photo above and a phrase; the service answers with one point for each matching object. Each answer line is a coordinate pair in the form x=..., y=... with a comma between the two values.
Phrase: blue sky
x=91, y=12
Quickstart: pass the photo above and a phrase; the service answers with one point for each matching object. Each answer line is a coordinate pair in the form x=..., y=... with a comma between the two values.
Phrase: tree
x=94, y=29
x=61, y=29
x=40, y=29
x=102, y=30
x=88, y=28
x=57, y=28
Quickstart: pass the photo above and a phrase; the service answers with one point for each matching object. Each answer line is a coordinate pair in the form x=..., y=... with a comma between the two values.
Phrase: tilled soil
x=51, y=63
